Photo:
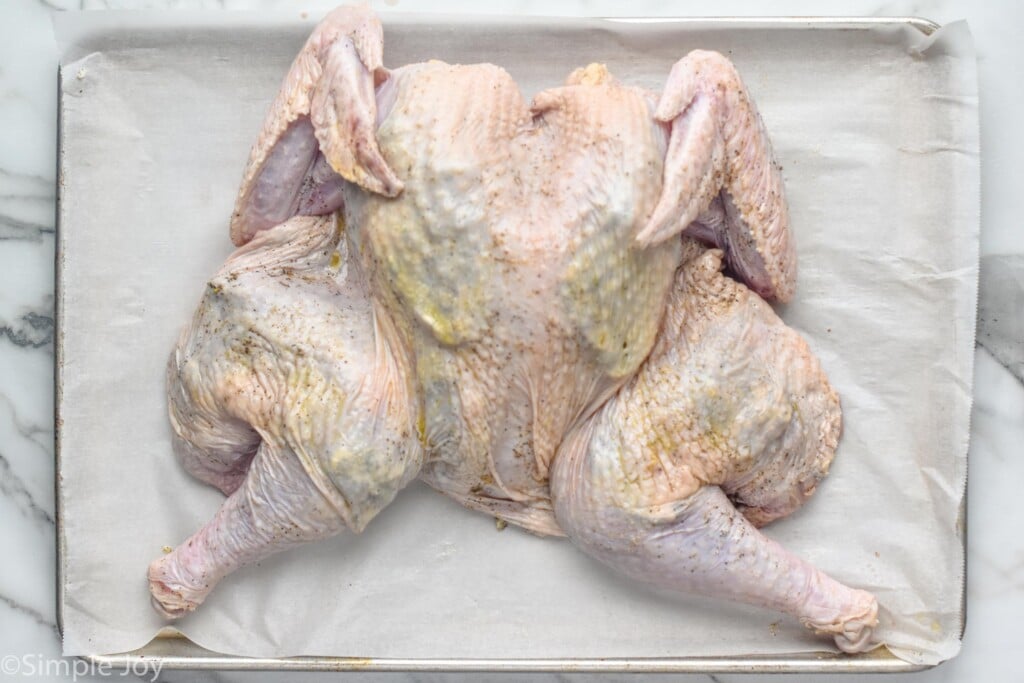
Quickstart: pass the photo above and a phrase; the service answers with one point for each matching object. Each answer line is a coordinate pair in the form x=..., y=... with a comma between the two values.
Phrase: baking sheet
x=876, y=129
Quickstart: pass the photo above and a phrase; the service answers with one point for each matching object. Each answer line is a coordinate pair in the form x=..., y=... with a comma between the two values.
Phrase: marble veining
x=26, y=199
x=28, y=612
x=13, y=488
x=1001, y=310
x=28, y=58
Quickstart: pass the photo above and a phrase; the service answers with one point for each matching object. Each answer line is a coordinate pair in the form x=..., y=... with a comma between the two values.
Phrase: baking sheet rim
x=187, y=655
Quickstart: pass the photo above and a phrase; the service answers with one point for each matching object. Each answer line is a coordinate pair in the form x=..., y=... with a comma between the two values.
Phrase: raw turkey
x=553, y=312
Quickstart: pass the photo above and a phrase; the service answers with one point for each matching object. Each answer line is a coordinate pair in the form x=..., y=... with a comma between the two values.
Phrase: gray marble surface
x=28, y=58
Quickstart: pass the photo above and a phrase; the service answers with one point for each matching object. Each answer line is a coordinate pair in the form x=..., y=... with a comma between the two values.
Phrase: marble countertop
x=28, y=61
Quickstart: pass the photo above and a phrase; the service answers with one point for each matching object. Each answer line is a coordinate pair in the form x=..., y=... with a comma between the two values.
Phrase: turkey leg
x=729, y=424
x=276, y=507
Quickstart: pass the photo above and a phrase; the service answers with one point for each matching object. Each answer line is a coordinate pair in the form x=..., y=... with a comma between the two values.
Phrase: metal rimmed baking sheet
x=157, y=115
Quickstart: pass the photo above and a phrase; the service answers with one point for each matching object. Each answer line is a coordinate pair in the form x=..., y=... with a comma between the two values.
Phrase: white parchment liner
x=877, y=132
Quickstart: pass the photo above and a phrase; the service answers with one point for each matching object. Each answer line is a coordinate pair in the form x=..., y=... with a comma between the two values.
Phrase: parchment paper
x=877, y=132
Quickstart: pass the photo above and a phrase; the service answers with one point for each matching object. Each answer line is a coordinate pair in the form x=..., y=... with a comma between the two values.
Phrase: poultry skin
x=522, y=304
